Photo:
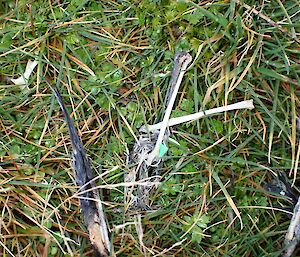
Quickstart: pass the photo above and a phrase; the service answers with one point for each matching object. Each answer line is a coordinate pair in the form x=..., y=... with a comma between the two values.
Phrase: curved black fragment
x=90, y=203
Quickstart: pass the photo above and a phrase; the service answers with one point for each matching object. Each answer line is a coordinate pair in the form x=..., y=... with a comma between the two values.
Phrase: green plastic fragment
x=163, y=149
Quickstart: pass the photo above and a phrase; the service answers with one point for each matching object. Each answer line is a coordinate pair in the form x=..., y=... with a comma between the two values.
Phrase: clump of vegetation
x=112, y=61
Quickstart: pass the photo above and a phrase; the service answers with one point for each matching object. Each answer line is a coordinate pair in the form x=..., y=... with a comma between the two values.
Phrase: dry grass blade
x=228, y=197
x=30, y=43
x=78, y=62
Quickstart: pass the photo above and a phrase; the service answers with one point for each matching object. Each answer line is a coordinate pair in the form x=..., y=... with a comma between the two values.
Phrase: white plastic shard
x=248, y=104
x=23, y=79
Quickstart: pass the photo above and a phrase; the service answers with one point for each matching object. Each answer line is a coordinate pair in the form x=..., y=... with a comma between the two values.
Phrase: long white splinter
x=181, y=61
x=195, y=116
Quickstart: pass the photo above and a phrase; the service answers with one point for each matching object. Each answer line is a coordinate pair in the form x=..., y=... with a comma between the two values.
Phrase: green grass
x=239, y=53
